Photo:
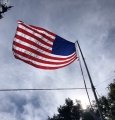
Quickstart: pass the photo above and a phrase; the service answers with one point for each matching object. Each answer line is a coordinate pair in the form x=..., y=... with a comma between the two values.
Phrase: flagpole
x=92, y=86
x=83, y=75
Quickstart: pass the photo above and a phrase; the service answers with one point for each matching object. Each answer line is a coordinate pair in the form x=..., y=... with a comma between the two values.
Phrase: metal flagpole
x=93, y=88
x=83, y=75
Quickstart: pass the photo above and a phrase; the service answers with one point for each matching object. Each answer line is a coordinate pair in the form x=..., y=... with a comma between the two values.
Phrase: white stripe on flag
x=31, y=39
x=42, y=64
x=36, y=34
x=41, y=31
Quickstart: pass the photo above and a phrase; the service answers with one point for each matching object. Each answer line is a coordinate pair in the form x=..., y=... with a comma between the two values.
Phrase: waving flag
x=42, y=48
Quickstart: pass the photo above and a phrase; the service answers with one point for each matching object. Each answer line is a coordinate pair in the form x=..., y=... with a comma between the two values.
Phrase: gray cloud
x=110, y=43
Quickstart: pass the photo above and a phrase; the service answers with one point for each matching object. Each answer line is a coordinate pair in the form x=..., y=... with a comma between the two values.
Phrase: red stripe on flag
x=43, y=30
x=44, y=67
x=50, y=39
x=39, y=53
x=41, y=61
x=36, y=44
x=30, y=49
x=42, y=34
x=35, y=37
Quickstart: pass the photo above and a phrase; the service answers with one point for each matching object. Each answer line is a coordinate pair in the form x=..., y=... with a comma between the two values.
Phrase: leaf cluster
x=69, y=111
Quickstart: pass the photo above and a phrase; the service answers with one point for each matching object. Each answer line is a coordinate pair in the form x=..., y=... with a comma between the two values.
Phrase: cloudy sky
x=92, y=22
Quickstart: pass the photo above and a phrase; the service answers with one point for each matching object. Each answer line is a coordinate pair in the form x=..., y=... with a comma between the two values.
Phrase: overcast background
x=92, y=22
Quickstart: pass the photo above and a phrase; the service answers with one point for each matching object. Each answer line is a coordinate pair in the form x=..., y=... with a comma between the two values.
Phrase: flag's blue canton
x=62, y=47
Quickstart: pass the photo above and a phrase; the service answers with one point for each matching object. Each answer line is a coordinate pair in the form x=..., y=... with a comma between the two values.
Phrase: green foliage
x=111, y=100
x=87, y=116
x=68, y=111
x=1, y=16
x=107, y=104
x=71, y=111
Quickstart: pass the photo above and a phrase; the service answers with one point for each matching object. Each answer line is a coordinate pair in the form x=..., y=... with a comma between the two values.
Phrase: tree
x=104, y=105
x=111, y=100
x=87, y=116
x=69, y=111
x=107, y=104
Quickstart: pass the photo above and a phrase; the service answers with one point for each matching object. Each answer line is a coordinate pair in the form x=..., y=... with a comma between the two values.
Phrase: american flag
x=42, y=48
